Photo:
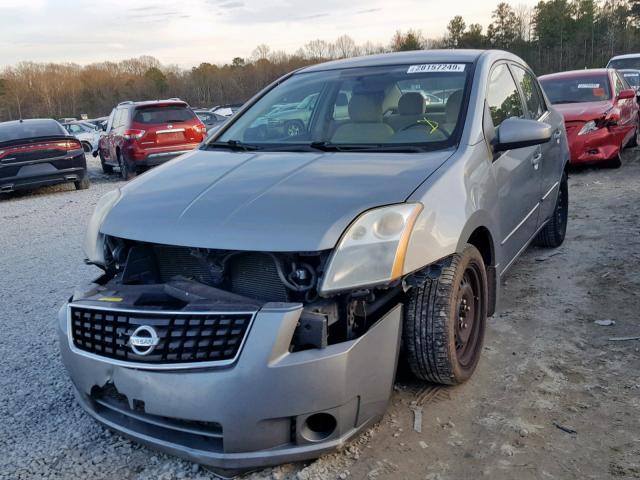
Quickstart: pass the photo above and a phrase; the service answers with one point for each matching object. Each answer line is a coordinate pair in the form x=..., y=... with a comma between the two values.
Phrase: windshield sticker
x=631, y=74
x=588, y=85
x=437, y=67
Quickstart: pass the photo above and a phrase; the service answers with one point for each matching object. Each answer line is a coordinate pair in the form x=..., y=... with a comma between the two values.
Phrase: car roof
x=577, y=73
x=152, y=103
x=626, y=55
x=401, y=58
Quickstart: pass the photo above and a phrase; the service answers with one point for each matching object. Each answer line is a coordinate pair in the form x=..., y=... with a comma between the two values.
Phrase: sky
x=189, y=32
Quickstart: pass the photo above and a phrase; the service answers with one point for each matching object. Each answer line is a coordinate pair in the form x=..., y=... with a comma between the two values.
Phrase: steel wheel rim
x=468, y=321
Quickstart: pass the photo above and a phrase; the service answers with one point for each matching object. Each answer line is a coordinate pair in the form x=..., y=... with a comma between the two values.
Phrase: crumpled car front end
x=208, y=355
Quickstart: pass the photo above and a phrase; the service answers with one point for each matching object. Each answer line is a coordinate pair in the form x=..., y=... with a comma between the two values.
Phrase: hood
x=266, y=201
x=583, y=112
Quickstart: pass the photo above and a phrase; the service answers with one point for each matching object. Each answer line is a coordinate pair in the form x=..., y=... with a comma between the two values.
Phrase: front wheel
x=444, y=321
x=635, y=140
x=108, y=169
x=553, y=233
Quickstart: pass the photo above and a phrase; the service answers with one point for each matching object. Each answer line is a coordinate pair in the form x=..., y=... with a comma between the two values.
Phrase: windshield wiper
x=232, y=145
x=332, y=147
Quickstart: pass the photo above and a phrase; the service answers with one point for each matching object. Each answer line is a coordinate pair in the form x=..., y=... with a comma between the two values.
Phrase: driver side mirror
x=519, y=133
x=625, y=94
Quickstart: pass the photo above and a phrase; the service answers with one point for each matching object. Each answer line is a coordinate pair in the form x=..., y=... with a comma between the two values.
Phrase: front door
x=517, y=171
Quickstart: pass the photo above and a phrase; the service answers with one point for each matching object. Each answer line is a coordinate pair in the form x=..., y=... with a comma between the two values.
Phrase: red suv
x=143, y=134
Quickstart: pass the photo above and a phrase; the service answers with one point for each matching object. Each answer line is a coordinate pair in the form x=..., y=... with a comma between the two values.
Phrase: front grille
x=115, y=407
x=183, y=337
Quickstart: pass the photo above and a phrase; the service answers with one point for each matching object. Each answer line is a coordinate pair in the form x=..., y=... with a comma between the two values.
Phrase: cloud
x=231, y=5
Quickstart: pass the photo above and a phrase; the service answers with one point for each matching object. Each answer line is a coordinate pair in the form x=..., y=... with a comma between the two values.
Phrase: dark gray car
x=255, y=292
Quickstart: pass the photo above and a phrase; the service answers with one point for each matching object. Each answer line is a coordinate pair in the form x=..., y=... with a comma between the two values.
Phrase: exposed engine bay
x=176, y=275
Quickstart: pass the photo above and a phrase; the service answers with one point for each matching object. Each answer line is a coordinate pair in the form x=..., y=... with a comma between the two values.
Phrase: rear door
x=106, y=142
x=166, y=126
x=553, y=152
x=517, y=171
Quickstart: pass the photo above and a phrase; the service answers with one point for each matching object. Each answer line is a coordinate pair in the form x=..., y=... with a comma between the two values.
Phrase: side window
x=623, y=81
x=532, y=96
x=119, y=119
x=618, y=85
x=503, y=97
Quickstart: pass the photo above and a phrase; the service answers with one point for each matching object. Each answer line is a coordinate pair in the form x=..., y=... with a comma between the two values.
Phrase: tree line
x=554, y=35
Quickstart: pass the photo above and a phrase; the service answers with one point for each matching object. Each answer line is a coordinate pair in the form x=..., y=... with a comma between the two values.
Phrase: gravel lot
x=548, y=368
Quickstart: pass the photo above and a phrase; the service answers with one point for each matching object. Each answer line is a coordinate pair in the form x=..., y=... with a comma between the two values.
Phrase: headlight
x=372, y=249
x=93, y=239
x=588, y=127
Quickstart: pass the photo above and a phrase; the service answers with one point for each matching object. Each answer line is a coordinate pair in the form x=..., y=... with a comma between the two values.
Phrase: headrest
x=365, y=108
x=452, y=109
x=411, y=103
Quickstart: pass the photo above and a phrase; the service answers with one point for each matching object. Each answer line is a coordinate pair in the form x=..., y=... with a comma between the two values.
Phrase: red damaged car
x=600, y=113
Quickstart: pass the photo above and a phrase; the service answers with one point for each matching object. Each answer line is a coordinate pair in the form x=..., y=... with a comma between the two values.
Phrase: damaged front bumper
x=265, y=407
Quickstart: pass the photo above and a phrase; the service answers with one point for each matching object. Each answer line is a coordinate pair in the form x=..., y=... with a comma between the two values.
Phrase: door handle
x=535, y=161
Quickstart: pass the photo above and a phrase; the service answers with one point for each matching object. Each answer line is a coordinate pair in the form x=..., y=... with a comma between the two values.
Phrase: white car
x=87, y=133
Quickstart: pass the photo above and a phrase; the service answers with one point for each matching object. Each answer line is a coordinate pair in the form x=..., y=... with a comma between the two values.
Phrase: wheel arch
x=477, y=232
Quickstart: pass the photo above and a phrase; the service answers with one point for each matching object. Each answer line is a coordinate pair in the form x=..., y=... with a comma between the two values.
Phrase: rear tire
x=86, y=147
x=83, y=183
x=444, y=321
x=125, y=169
x=553, y=233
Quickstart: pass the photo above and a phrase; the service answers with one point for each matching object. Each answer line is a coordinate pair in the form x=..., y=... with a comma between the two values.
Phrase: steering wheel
x=443, y=131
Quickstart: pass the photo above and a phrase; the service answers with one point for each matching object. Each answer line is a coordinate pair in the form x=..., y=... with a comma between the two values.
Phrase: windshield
x=371, y=107
x=632, y=77
x=587, y=88
x=619, y=63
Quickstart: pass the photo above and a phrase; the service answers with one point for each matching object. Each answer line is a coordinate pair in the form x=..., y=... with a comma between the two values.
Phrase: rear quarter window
x=160, y=115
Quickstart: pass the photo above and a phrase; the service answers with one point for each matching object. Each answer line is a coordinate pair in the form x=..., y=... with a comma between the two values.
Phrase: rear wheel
x=553, y=233
x=83, y=183
x=125, y=169
x=445, y=320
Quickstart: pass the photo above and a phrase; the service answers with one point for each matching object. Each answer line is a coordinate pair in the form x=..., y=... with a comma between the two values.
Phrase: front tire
x=445, y=319
x=553, y=233
x=108, y=169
